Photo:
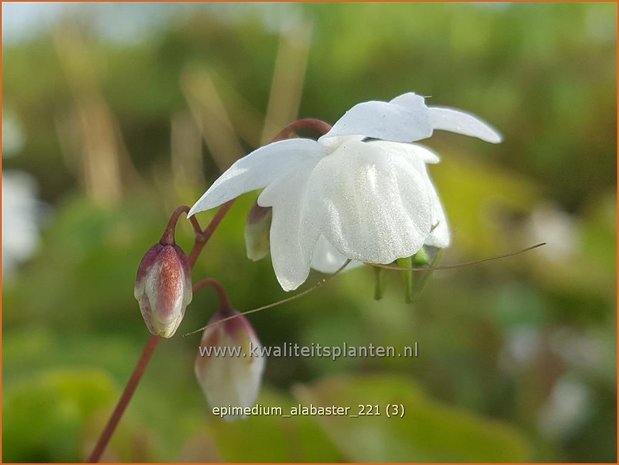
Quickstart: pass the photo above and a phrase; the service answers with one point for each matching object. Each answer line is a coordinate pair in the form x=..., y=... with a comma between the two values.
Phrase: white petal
x=463, y=123
x=332, y=142
x=418, y=155
x=439, y=236
x=291, y=239
x=404, y=119
x=374, y=206
x=327, y=259
x=414, y=151
x=257, y=169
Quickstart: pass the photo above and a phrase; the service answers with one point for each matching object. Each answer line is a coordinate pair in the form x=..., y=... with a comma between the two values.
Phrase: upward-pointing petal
x=463, y=123
x=403, y=119
x=258, y=169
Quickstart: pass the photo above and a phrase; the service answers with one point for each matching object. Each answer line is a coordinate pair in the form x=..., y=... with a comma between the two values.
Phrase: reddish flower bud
x=163, y=288
x=230, y=361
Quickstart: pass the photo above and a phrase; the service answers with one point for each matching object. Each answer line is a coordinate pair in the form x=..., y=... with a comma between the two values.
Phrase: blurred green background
x=114, y=114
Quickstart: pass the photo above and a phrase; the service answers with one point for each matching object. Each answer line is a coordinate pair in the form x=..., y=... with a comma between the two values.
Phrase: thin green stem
x=277, y=303
x=456, y=265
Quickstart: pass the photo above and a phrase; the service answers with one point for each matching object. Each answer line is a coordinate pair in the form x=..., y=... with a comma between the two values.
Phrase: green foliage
x=45, y=416
x=426, y=431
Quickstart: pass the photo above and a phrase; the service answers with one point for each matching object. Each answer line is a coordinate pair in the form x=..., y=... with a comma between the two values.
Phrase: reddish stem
x=201, y=238
x=117, y=414
x=168, y=234
x=224, y=301
x=305, y=123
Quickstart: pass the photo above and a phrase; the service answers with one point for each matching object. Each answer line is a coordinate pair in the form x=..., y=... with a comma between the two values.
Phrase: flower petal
x=417, y=156
x=463, y=123
x=403, y=119
x=440, y=235
x=291, y=240
x=414, y=151
x=257, y=169
x=327, y=259
x=372, y=205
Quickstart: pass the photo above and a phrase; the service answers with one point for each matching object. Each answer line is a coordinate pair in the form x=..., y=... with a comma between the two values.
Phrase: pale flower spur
x=361, y=191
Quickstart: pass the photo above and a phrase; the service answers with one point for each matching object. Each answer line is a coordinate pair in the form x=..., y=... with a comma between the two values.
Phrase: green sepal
x=407, y=276
x=433, y=256
x=421, y=258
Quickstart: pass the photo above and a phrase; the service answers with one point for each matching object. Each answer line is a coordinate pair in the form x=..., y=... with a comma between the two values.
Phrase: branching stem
x=200, y=240
x=201, y=237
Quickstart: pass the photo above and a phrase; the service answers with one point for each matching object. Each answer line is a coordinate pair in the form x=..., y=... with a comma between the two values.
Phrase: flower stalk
x=201, y=237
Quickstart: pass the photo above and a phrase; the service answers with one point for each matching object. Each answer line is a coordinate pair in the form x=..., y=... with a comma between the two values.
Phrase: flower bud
x=257, y=229
x=163, y=288
x=230, y=361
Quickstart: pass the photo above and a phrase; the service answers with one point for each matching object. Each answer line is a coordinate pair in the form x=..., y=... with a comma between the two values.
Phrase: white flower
x=230, y=363
x=360, y=192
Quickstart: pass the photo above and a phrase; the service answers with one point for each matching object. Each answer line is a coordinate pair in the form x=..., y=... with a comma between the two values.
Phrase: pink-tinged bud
x=257, y=229
x=163, y=288
x=230, y=362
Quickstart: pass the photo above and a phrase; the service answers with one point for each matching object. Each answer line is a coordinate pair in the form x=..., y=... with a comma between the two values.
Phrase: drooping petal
x=257, y=169
x=439, y=236
x=327, y=259
x=372, y=205
x=291, y=240
x=417, y=156
x=461, y=122
x=403, y=119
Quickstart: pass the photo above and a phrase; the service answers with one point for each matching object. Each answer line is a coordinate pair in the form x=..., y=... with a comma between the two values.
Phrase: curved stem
x=277, y=303
x=201, y=238
x=224, y=301
x=456, y=265
x=306, y=123
x=376, y=266
x=168, y=234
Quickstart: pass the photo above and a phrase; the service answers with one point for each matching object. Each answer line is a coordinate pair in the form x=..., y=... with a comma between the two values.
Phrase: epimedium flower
x=230, y=362
x=163, y=288
x=325, y=258
x=361, y=191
